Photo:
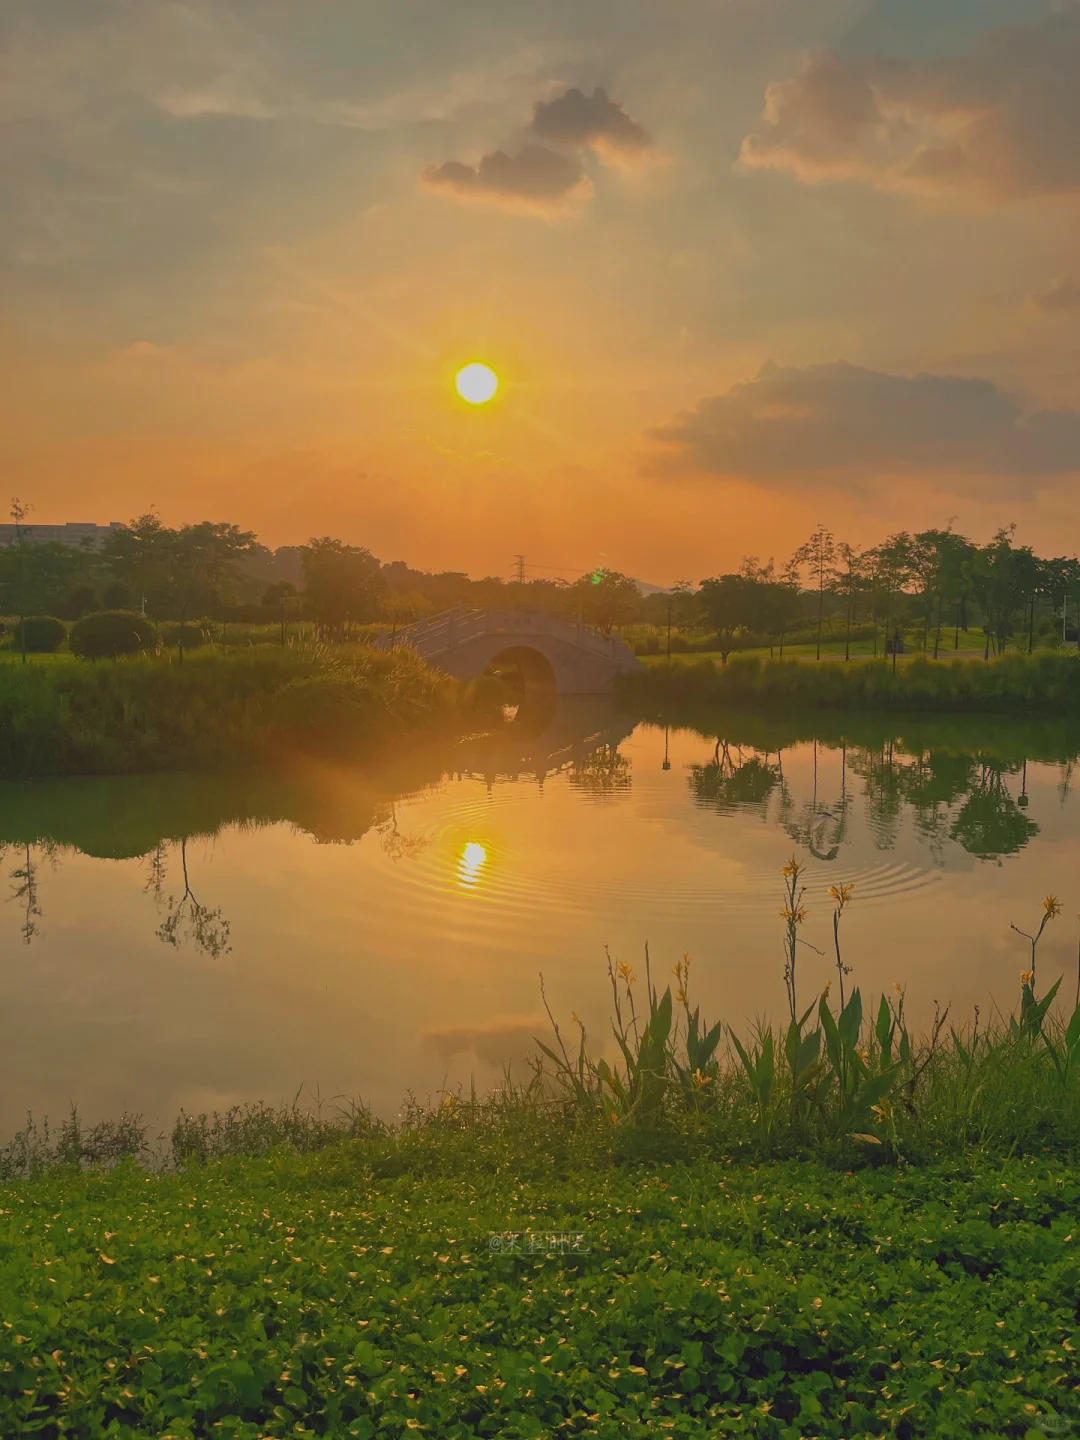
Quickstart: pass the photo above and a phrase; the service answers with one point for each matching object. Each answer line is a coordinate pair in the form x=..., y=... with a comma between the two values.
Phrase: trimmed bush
x=110, y=633
x=189, y=636
x=44, y=634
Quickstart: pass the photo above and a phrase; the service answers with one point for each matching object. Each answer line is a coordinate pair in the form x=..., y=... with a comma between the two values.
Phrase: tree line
x=935, y=580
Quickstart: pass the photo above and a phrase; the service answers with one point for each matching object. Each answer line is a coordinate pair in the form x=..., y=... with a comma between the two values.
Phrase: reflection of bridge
x=576, y=729
x=561, y=654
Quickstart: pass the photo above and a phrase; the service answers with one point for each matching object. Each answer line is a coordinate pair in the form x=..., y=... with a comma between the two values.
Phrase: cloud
x=536, y=181
x=1002, y=121
x=1061, y=296
x=578, y=120
x=844, y=418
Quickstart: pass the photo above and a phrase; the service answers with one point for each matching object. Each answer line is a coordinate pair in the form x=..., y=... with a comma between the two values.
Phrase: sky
x=742, y=266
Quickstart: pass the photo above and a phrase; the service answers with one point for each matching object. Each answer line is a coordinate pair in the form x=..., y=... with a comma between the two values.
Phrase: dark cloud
x=535, y=181
x=844, y=418
x=1003, y=120
x=1062, y=295
x=539, y=180
x=576, y=119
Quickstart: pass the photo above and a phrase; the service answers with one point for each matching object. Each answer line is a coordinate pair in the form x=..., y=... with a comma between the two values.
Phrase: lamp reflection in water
x=471, y=864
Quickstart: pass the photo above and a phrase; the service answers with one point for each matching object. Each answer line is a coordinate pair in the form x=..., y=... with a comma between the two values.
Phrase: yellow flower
x=575, y=1017
x=898, y=988
x=825, y=992
x=882, y=1111
x=798, y=915
x=864, y=1056
x=1052, y=906
x=626, y=973
x=841, y=893
x=1026, y=977
x=792, y=868
x=699, y=1081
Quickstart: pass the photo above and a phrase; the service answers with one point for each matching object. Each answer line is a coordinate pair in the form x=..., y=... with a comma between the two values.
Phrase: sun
x=477, y=383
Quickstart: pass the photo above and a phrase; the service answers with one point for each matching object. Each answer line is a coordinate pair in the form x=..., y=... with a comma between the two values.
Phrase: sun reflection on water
x=471, y=864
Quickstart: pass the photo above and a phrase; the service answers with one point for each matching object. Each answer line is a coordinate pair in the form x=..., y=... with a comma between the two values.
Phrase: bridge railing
x=439, y=633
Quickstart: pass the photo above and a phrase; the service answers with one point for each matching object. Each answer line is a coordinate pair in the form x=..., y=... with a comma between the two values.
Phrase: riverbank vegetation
x=155, y=712
x=1048, y=682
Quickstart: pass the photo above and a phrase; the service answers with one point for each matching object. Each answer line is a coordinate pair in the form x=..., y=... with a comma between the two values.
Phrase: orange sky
x=737, y=273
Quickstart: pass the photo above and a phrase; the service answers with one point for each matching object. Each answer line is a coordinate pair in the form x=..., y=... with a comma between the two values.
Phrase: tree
x=202, y=567
x=935, y=561
x=36, y=578
x=728, y=602
x=819, y=555
x=889, y=565
x=20, y=514
x=849, y=583
x=343, y=586
x=771, y=604
x=1062, y=577
x=1000, y=578
x=180, y=572
x=605, y=598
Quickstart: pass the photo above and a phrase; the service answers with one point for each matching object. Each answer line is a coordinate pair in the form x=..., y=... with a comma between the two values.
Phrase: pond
x=195, y=941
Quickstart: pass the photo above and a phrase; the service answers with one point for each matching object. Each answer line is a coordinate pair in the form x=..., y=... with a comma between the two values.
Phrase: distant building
x=74, y=533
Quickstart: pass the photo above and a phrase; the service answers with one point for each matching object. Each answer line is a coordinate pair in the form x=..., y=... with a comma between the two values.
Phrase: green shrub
x=44, y=634
x=110, y=633
x=190, y=637
x=148, y=712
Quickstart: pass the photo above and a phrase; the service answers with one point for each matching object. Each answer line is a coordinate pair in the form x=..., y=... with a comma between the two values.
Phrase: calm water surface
x=185, y=941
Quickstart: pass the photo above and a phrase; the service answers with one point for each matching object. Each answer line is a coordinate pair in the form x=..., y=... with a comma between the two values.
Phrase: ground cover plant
x=462, y=1285
x=1048, y=681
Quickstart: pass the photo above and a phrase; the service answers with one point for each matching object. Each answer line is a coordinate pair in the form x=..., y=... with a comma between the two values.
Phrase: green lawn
x=357, y=1293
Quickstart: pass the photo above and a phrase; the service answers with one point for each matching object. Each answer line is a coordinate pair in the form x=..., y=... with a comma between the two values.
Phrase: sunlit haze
x=742, y=268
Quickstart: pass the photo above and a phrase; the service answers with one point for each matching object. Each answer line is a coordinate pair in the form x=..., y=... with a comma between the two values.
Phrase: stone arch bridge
x=550, y=653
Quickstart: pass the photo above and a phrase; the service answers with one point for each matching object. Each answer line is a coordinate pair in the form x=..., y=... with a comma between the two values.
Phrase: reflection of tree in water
x=187, y=919
x=820, y=827
x=932, y=783
x=726, y=783
x=602, y=772
x=396, y=844
x=26, y=885
x=883, y=777
x=990, y=823
x=952, y=797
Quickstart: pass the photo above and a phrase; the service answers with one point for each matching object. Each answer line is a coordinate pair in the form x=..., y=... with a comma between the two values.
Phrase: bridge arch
x=534, y=667
x=466, y=642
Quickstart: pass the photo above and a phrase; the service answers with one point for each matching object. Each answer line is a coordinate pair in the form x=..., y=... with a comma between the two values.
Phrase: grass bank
x=1048, y=682
x=472, y=1284
x=214, y=708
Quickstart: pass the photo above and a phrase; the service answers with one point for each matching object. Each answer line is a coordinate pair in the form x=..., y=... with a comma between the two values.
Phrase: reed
x=1048, y=682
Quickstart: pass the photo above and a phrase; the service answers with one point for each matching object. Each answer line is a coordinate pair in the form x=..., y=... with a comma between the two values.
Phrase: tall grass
x=154, y=712
x=1047, y=681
